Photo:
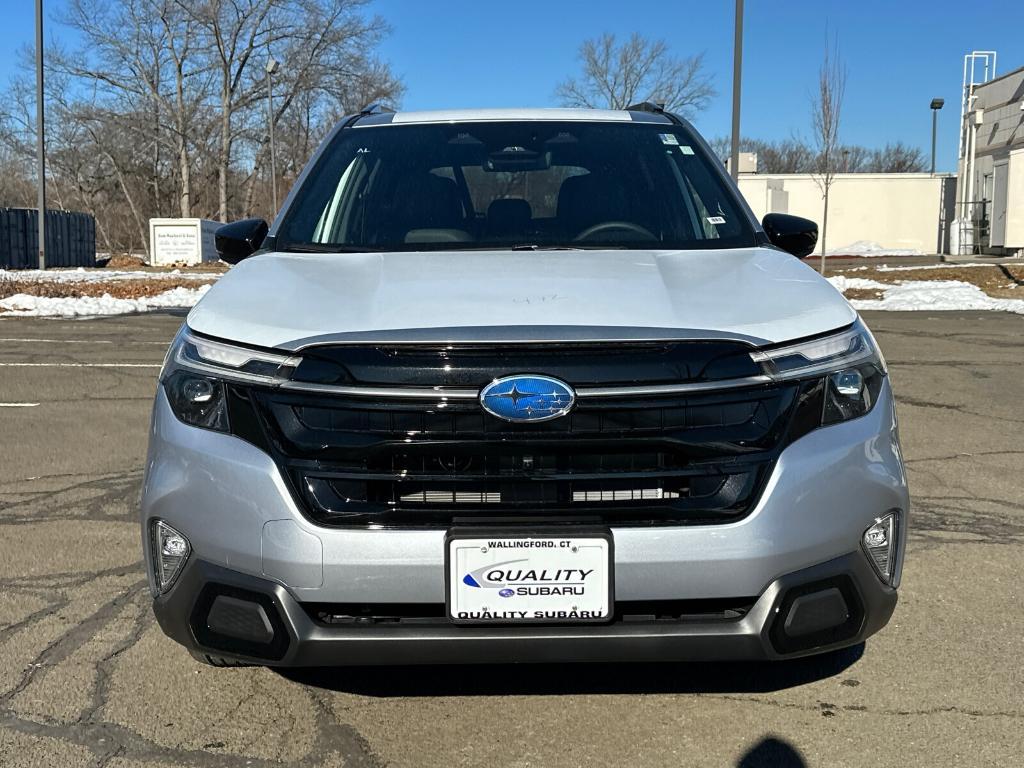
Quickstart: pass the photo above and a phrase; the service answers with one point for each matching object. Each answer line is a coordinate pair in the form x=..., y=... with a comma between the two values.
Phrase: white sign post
x=182, y=241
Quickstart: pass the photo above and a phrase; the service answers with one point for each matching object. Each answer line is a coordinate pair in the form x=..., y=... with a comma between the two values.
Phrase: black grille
x=637, y=460
x=626, y=612
x=581, y=364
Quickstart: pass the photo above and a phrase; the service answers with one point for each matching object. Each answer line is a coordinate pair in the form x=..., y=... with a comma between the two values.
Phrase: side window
x=336, y=222
x=711, y=215
x=704, y=216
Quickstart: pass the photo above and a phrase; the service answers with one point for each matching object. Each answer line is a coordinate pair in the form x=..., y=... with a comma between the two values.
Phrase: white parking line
x=81, y=365
x=83, y=341
x=18, y=405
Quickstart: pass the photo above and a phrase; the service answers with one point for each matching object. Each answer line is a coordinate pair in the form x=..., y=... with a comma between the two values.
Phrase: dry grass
x=862, y=294
x=132, y=262
x=999, y=281
x=119, y=289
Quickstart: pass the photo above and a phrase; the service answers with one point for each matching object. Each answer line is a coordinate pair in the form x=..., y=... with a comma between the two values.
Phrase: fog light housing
x=169, y=549
x=880, y=543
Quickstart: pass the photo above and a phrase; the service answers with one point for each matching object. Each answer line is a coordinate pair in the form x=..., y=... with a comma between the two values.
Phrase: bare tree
x=617, y=75
x=853, y=158
x=787, y=156
x=826, y=108
x=137, y=57
x=794, y=155
x=325, y=44
x=897, y=158
x=160, y=105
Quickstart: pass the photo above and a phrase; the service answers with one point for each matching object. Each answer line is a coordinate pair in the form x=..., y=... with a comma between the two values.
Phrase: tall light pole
x=272, y=66
x=40, y=136
x=737, y=66
x=936, y=106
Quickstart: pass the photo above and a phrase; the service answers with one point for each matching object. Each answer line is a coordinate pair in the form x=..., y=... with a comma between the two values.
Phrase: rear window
x=515, y=184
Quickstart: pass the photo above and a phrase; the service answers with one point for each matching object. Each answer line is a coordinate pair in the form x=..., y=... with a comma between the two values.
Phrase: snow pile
x=870, y=248
x=843, y=283
x=24, y=305
x=83, y=275
x=919, y=295
x=887, y=268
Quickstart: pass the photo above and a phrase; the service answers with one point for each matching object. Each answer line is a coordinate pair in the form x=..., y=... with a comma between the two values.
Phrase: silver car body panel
x=232, y=502
x=222, y=492
x=290, y=301
x=512, y=114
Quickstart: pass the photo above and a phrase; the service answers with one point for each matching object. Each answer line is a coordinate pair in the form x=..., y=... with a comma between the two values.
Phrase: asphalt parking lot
x=87, y=679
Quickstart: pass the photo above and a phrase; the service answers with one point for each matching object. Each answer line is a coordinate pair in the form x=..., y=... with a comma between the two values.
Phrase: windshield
x=535, y=184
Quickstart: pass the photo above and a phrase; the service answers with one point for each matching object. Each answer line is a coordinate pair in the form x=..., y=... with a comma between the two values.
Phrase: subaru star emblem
x=527, y=398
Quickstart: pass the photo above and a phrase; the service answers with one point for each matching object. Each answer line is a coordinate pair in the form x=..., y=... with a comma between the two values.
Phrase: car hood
x=289, y=300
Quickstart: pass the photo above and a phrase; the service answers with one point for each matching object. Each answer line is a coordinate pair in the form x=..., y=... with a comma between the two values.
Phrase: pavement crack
x=334, y=736
x=904, y=400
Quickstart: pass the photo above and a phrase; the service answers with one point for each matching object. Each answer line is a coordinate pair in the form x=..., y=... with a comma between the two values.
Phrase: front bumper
x=781, y=624
x=229, y=499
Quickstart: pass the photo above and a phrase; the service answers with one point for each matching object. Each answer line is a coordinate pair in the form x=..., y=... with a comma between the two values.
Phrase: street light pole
x=40, y=136
x=272, y=66
x=936, y=106
x=737, y=66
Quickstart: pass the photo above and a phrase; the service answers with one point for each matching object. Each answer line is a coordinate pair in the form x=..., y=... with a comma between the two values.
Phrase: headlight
x=196, y=372
x=842, y=375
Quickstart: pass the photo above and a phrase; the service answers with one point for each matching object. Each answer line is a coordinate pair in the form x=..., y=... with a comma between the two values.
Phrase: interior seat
x=507, y=217
x=590, y=199
x=425, y=203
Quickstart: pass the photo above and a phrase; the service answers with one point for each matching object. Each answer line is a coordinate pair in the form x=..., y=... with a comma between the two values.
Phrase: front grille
x=640, y=460
x=626, y=612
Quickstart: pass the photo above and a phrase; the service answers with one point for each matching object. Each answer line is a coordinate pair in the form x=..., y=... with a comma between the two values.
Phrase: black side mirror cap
x=240, y=239
x=792, y=234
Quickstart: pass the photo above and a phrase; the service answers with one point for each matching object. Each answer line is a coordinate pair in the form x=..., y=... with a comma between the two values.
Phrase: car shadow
x=772, y=752
x=562, y=679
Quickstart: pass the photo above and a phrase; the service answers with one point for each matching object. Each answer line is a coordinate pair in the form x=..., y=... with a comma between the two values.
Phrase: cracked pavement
x=87, y=678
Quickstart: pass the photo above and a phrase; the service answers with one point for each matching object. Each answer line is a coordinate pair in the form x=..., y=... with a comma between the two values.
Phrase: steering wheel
x=604, y=226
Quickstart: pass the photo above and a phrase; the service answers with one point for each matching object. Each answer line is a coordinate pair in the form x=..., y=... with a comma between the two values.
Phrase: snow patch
x=82, y=275
x=25, y=305
x=843, y=283
x=887, y=268
x=920, y=295
x=870, y=248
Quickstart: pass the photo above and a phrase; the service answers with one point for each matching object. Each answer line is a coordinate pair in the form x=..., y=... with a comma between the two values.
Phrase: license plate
x=528, y=578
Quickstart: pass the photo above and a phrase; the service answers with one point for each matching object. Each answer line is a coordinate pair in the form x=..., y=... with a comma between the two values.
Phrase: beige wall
x=1015, y=200
x=895, y=210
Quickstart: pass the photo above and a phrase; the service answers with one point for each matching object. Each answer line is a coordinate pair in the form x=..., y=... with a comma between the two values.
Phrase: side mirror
x=240, y=239
x=792, y=234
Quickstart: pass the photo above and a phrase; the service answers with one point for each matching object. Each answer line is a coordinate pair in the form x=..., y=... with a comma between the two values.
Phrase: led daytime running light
x=810, y=358
x=227, y=361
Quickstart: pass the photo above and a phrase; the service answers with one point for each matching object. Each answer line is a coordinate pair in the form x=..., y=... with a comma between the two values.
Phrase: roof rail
x=370, y=109
x=375, y=109
x=654, y=108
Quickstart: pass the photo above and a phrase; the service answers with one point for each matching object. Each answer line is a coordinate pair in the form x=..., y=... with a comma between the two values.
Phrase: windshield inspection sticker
x=716, y=220
x=686, y=150
x=669, y=138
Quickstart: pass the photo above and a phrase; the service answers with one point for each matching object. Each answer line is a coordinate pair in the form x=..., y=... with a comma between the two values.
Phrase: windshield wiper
x=324, y=248
x=535, y=247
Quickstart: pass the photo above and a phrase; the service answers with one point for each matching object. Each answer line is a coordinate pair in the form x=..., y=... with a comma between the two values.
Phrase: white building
x=895, y=212
x=991, y=169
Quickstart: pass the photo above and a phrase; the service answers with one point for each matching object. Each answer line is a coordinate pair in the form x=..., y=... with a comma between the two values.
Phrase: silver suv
x=521, y=385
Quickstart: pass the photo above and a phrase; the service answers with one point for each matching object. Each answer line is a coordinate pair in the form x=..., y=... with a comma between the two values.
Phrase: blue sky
x=899, y=54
